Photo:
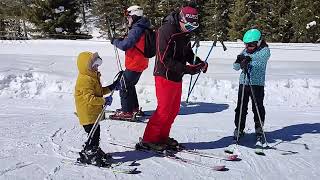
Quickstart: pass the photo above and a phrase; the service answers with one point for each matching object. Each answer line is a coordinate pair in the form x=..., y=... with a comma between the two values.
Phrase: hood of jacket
x=84, y=63
x=142, y=23
x=172, y=18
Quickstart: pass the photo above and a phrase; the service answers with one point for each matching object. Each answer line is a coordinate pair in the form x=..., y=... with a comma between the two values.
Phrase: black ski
x=114, y=167
x=226, y=157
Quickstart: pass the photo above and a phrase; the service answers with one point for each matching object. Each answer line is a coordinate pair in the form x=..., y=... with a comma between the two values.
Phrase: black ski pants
x=96, y=136
x=128, y=93
x=258, y=92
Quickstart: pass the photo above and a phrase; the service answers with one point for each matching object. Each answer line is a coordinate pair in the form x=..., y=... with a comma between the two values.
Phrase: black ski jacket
x=173, y=50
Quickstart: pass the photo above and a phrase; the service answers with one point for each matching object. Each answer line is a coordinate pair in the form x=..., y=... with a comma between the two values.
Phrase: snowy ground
x=39, y=132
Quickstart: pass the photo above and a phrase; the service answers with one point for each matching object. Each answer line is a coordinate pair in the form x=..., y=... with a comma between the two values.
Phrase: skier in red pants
x=173, y=52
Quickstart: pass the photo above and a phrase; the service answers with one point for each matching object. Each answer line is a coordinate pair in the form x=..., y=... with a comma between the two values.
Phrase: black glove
x=193, y=69
x=116, y=85
x=204, y=66
x=245, y=62
x=112, y=40
x=240, y=57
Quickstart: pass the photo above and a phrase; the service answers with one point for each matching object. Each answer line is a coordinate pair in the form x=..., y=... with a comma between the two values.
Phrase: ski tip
x=134, y=163
x=233, y=157
x=260, y=153
x=134, y=171
x=220, y=168
x=228, y=151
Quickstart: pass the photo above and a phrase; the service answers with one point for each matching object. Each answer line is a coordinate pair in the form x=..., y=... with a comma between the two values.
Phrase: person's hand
x=245, y=62
x=204, y=67
x=193, y=69
x=112, y=40
x=240, y=57
x=108, y=100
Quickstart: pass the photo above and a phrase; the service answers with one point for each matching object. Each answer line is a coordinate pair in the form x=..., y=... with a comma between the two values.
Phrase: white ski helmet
x=135, y=10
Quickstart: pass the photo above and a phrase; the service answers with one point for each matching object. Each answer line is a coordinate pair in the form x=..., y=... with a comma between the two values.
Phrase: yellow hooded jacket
x=88, y=90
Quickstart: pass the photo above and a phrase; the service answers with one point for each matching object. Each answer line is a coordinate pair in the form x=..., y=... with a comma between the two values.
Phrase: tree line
x=222, y=20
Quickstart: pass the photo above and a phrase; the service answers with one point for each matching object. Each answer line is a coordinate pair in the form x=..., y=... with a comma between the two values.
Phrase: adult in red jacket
x=135, y=62
x=173, y=52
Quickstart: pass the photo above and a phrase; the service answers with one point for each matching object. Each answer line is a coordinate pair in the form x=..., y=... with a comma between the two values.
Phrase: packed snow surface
x=40, y=135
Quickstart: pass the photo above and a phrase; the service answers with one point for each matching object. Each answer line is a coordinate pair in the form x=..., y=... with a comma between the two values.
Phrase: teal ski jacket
x=257, y=67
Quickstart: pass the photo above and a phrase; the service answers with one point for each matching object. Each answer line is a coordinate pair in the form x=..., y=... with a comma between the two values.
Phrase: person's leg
x=258, y=92
x=160, y=117
x=128, y=93
x=244, y=107
x=96, y=136
x=173, y=110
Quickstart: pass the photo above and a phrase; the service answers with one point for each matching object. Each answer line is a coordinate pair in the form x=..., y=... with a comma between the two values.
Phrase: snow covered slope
x=39, y=132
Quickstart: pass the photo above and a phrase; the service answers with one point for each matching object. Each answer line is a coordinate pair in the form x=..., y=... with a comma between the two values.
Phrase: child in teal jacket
x=253, y=62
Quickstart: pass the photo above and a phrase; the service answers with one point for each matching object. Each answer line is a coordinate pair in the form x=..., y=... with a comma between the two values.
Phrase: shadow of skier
x=284, y=135
x=201, y=107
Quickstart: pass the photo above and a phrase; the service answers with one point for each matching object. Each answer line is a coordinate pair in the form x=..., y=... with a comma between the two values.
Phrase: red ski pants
x=169, y=98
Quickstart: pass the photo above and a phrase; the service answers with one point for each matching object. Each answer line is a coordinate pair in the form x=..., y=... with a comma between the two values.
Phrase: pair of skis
x=135, y=118
x=233, y=148
x=170, y=154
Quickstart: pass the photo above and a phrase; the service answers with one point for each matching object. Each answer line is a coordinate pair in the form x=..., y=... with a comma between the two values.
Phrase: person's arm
x=132, y=38
x=260, y=58
x=166, y=49
x=106, y=90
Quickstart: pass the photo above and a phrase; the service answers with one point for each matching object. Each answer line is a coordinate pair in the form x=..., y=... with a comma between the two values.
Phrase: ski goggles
x=252, y=44
x=97, y=62
x=190, y=26
x=126, y=13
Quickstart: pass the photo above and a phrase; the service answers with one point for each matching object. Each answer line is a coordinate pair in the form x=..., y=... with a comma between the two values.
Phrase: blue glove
x=108, y=100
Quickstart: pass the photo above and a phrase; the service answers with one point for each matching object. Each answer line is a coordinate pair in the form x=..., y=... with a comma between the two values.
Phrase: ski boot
x=173, y=145
x=95, y=157
x=235, y=134
x=124, y=116
x=259, y=145
x=157, y=147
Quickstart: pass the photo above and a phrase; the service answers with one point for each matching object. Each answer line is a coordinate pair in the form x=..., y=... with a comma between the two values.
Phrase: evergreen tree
x=215, y=19
x=238, y=19
x=305, y=18
x=110, y=11
x=280, y=28
x=12, y=19
x=249, y=14
x=56, y=18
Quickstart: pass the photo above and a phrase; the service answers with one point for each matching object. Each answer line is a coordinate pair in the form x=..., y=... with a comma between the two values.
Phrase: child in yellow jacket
x=89, y=102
